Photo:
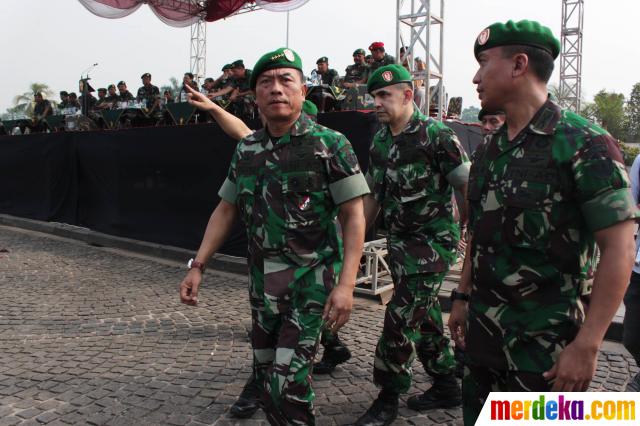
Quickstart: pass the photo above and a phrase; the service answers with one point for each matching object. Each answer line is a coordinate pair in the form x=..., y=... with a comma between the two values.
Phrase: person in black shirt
x=41, y=110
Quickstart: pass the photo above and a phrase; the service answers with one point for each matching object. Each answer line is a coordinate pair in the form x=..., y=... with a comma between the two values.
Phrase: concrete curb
x=219, y=262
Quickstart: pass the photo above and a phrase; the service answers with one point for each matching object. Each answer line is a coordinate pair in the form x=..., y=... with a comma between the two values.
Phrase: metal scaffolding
x=571, y=54
x=424, y=20
x=198, y=62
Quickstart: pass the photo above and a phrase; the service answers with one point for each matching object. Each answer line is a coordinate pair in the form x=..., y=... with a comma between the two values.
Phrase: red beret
x=376, y=45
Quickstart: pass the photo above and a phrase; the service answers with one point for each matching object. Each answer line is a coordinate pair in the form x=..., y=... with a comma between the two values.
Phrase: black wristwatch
x=458, y=295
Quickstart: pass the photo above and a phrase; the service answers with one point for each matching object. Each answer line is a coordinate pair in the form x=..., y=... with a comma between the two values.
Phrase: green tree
x=632, y=112
x=174, y=86
x=23, y=104
x=609, y=111
x=470, y=114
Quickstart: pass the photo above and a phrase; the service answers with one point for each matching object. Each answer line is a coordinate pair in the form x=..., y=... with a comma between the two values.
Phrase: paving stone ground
x=92, y=335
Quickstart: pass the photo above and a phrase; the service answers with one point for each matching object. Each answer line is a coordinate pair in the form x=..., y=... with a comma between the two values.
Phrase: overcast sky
x=54, y=41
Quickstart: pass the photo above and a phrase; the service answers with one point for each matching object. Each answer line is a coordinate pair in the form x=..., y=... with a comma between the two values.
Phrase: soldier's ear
x=520, y=64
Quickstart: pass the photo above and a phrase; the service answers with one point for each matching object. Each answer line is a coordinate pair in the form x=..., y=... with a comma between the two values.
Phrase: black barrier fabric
x=38, y=177
x=157, y=184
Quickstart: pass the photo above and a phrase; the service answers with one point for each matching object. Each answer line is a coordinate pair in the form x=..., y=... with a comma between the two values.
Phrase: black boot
x=333, y=355
x=249, y=400
x=444, y=393
x=382, y=412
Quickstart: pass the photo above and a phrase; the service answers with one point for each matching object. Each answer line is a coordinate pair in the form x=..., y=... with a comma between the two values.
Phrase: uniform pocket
x=527, y=215
x=305, y=196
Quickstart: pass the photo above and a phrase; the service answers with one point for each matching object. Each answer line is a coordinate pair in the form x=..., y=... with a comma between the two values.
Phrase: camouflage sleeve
x=375, y=172
x=228, y=190
x=602, y=183
x=452, y=160
x=345, y=178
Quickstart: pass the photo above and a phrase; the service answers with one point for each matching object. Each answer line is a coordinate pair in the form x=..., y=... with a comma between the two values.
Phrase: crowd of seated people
x=231, y=90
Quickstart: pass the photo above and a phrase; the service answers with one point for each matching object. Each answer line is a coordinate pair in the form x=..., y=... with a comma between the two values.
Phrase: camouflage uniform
x=287, y=192
x=356, y=72
x=534, y=205
x=411, y=176
x=330, y=77
x=386, y=60
x=244, y=105
x=148, y=95
x=125, y=97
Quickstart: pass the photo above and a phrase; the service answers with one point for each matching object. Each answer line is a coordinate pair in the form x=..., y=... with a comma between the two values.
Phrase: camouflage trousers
x=285, y=342
x=412, y=326
x=478, y=382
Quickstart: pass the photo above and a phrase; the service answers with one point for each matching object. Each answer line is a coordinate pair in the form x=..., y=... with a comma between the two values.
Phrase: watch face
x=189, y=263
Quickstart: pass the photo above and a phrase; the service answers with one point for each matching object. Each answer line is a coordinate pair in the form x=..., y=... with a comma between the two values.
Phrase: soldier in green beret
x=223, y=85
x=241, y=97
x=328, y=76
x=543, y=192
x=288, y=183
x=358, y=73
x=415, y=164
x=491, y=121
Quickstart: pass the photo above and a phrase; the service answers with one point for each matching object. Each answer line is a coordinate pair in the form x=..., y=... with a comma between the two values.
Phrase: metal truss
x=424, y=22
x=571, y=54
x=198, y=62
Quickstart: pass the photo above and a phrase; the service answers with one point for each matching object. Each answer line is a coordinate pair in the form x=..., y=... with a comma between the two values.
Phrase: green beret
x=227, y=67
x=358, y=52
x=484, y=112
x=527, y=33
x=322, y=59
x=237, y=63
x=309, y=108
x=279, y=58
x=388, y=75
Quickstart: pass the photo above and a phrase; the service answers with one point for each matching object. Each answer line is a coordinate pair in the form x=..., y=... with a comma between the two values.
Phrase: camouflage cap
x=239, y=63
x=322, y=59
x=102, y=90
x=279, y=58
x=484, y=112
x=146, y=74
x=388, y=75
x=358, y=52
x=309, y=108
x=227, y=67
x=122, y=83
x=525, y=32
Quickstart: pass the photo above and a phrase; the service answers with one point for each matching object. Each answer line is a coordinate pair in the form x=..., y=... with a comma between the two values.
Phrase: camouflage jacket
x=243, y=83
x=148, y=95
x=386, y=60
x=287, y=193
x=534, y=204
x=330, y=77
x=125, y=97
x=411, y=176
x=356, y=72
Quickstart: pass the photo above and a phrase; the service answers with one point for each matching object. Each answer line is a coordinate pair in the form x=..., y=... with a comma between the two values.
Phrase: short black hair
x=189, y=74
x=540, y=61
x=208, y=80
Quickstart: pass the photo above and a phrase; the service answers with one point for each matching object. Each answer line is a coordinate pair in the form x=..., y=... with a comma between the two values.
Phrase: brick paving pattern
x=90, y=335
